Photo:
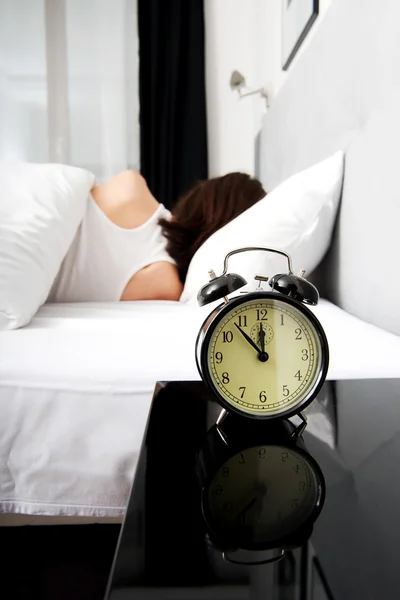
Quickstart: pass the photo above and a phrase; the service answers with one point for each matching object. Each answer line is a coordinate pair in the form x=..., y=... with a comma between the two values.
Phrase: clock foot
x=299, y=430
x=222, y=436
x=221, y=416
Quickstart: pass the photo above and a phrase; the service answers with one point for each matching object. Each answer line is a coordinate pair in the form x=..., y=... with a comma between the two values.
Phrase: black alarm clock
x=261, y=491
x=264, y=354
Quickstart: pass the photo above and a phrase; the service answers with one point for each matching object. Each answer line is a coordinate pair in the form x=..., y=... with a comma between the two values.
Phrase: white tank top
x=103, y=256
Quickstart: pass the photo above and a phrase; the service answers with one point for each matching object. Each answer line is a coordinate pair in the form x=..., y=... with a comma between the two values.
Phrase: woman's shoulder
x=127, y=184
x=126, y=199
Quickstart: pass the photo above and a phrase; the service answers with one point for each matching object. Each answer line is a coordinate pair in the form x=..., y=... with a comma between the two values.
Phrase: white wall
x=230, y=45
x=272, y=24
x=243, y=35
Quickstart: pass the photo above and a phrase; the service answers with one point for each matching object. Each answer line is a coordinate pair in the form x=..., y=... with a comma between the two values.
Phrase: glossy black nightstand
x=170, y=546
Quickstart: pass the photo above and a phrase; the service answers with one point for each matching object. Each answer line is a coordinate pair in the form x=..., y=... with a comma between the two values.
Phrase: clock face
x=265, y=357
x=263, y=494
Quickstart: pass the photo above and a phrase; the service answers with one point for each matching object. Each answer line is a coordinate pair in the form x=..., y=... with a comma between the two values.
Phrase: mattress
x=76, y=388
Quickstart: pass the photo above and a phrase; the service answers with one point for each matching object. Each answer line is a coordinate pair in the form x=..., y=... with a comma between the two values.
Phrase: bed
x=75, y=389
x=76, y=383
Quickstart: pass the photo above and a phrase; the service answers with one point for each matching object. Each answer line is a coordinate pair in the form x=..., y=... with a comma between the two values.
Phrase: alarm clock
x=261, y=490
x=264, y=354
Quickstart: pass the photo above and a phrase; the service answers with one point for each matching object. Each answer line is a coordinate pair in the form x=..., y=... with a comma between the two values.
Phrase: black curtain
x=173, y=131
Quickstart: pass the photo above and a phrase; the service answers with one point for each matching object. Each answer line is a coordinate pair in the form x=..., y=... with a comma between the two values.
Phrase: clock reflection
x=261, y=491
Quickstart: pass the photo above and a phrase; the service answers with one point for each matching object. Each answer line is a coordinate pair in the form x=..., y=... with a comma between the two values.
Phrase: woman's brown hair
x=207, y=207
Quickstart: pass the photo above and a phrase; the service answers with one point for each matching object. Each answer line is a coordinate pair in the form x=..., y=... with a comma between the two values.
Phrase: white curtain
x=69, y=83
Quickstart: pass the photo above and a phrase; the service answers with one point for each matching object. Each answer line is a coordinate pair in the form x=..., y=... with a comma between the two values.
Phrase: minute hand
x=261, y=337
x=248, y=338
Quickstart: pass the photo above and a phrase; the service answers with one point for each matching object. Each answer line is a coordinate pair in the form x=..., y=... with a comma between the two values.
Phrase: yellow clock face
x=264, y=357
x=264, y=493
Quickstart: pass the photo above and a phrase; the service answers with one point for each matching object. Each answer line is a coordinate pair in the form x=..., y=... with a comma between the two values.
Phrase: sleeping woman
x=130, y=247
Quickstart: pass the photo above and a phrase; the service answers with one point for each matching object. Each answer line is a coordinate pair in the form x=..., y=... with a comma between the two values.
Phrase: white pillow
x=297, y=216
x=41, y=207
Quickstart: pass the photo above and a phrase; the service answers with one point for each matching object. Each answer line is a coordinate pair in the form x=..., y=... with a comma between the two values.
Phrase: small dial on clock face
x=262, y=327
x=265, y=357
x=263, y=493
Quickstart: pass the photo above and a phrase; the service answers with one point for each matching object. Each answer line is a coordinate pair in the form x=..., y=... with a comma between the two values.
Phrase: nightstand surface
x=165, y=548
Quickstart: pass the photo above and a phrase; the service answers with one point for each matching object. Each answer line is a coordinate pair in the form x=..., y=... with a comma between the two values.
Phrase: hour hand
x=248, y=338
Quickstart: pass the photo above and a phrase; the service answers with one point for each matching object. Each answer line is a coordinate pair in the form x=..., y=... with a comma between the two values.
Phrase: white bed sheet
x=76, y=386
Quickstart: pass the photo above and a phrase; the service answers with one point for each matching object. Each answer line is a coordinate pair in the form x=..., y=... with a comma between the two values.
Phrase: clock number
x=298, y=334
x=286, y=391
x=262, y=452
x=282, y=322
x=225, y=377
x=242, y=391
x=227, y=507
x=218, y=490
x=242, y=321
x=295, y=502
x=241, y=461
x=302, y=486
x=296, y=469
x=227, y=336
x=284, y=456
x=219, y=358
x=298, y=376
x=262, y=314
x=304, y=354
x=225, y=472
x=262, y=397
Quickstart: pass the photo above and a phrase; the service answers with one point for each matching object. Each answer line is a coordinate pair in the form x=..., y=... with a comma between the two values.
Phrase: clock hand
x=263, y=356
x=246, y=508
x=248, y=338
x=261, y=337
